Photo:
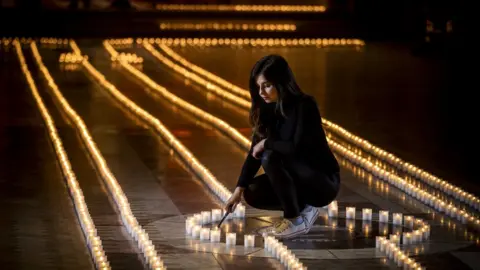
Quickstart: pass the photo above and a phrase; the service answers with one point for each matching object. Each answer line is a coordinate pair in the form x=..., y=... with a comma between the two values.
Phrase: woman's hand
x=234, y=200
x=258, y=149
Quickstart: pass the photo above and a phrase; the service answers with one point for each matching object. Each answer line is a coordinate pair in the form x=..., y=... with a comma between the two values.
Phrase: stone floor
x=39, y=228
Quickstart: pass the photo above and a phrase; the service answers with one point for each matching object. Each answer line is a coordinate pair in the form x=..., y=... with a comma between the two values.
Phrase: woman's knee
x=270, y=159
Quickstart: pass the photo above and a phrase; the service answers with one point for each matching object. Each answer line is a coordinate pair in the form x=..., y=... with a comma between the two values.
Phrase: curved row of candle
x=94, y=242
x=244, y=94
x=422, y=233
x=216, y=26
x=428, y=199
x=218, y=188
x=408, y=168
x=242, y=8
x=129, y=220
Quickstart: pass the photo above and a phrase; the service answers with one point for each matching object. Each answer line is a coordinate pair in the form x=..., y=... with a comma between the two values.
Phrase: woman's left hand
x=258, y=149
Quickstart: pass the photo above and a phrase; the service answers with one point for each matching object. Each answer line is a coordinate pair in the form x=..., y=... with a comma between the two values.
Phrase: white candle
x=378, y=241
x=249, y=240
x=206, y=217
x=291, y=261
x=394, y=239
x=383, y=216
x=205, y=234
x=383, y=244
x=196, y=231
x=397, y=218
x=408, y=221
x=240, y=211
x=231, y=239
x=418, y=236
x=215, y=236
x=333, y=209
x=367, y=214
x=407, y=239
x=216, y=215
x=401, y=260
x=189, y=223
x=350, y=213
x=198, y=218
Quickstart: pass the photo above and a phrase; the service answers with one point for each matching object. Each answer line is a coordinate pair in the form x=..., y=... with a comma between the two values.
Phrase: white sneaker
x=310, y=214
x=286, y=229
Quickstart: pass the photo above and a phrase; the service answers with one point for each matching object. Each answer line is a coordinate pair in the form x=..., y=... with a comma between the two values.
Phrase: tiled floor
x=162, y=190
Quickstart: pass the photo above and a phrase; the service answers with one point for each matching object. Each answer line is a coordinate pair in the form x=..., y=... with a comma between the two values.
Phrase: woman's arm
x=249, y=169
x=306, y=130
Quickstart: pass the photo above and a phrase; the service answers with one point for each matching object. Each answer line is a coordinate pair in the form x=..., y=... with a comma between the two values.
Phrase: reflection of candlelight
x=383, y=228
x=350, y=224
x=366, y=227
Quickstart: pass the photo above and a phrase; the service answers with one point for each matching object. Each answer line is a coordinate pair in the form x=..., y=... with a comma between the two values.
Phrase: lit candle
x=367, y=214
x=383, y=244
x=215, y=235
x=333, y=209
x=417, y=237
x=408, y=222
x=240, y=211
x=407, y=238
x=216, y=214
x=196, y=231
x=401, y=260
x=189, y=223
x=231, y=239
x=198, y=219
x=350, y=213
x=206, y=217
x=378, y=241
x=383, y=216
x=205, y=234
x=394, y=239
x=292, y=261
x=397, y=218
x=249, y=240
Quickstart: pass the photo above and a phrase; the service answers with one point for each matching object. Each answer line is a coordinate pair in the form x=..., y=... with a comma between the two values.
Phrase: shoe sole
x=304, y=231
x=314, y=218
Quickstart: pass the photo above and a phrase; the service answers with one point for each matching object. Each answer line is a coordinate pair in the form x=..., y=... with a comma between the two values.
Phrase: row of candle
x=128, y=57
x=408, y=168
x=393, y=252
x=242, y=8
x=71, y=58
x=383, y=215
x=129, y=220
x=88, y=227
x=425, y=197
x=228, y=26
x=218, y=188
x=412, y=190
x=209, y=118
x=282, y=253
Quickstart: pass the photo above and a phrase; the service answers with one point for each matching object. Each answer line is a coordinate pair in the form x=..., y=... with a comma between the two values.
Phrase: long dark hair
x=276, y=70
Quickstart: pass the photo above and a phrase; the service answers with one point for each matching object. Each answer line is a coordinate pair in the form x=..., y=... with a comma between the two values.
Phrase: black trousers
x=289, y=186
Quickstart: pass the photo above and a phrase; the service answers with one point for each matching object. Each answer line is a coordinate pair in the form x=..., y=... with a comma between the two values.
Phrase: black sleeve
x=308, y=125
x=249, y=169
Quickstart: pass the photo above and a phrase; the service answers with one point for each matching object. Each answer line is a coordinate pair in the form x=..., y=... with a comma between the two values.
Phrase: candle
x=240, y=211
x=249, y=240
x=215, y=235
x=367, y=214
x=397, y=218
x=407, y=238
x=189, y=223
x=350, y=213
x=231, y=239
x=383, y=216
x=417, y=236
x=333, y=209
x=378, y=241
x=205, y=234
x=291, y=262
x=206, y=217
x=394, y=239
x=196, y=231
x=408, y=222
x=216, y=215
x=197, y=218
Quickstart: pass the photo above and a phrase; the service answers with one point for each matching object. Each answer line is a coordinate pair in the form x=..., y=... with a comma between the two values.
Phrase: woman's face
x=266, y=90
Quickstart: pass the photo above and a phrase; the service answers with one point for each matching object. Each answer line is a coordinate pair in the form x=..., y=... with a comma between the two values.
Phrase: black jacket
x=298, y=138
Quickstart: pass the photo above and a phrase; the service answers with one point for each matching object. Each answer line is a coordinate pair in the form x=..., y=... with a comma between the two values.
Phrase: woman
x=289, y=142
